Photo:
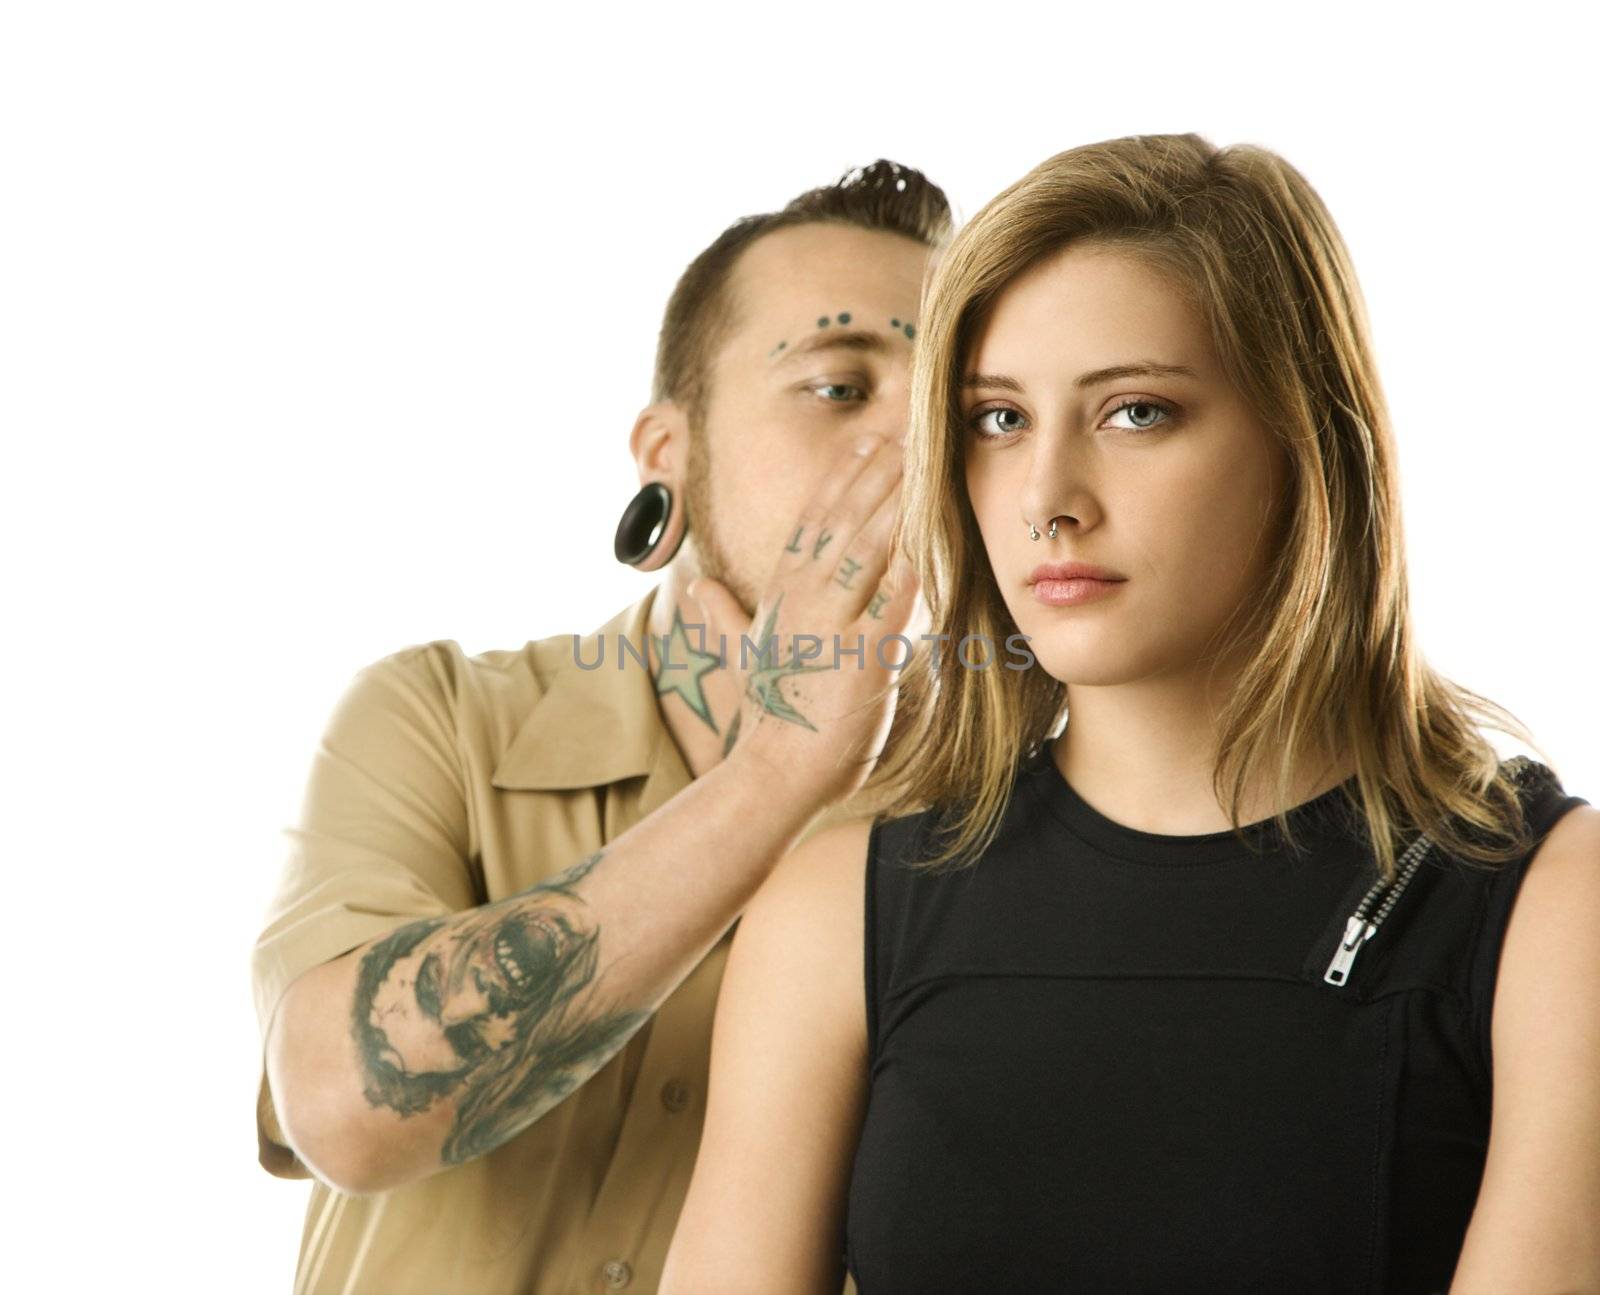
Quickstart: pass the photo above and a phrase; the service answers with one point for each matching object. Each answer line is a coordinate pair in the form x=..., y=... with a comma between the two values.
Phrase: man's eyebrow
x=856, y=339
x=1144, y=369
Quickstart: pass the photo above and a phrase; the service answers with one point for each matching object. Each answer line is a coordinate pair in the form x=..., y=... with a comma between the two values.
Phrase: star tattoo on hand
x=765, y=679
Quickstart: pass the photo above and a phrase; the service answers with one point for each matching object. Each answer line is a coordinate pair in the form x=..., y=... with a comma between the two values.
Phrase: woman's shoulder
x=1557, y=878
x=816, y=886
x=828, y=860
x=834, y=855
x=799, y=939
x=1551, y=816
x=1545, y=804
x=1564, y=829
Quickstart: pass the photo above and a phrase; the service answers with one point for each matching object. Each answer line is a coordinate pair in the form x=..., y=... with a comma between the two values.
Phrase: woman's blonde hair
x=1331, y=659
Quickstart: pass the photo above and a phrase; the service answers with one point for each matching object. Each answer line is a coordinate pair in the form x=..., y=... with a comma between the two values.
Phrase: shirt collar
x=594, y=724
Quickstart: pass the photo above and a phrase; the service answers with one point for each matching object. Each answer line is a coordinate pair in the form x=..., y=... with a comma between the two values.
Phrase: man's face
x=820, y=352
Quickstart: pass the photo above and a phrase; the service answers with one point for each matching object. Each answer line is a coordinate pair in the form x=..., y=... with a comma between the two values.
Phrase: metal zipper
x=1363, y=924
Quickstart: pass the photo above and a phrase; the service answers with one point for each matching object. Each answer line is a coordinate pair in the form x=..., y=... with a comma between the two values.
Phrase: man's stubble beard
x=700, y=524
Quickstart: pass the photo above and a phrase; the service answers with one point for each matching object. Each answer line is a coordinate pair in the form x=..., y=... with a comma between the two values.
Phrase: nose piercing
x=1033, y=531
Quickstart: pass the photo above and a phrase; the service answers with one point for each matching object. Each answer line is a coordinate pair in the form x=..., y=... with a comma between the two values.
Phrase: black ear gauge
x=644, y=522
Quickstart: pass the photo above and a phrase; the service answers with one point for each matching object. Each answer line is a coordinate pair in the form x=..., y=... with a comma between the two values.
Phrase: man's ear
x=659, y=444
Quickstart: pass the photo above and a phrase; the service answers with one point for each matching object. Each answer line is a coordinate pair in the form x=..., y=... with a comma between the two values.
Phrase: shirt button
x=674, y=1095
x=616, y=1274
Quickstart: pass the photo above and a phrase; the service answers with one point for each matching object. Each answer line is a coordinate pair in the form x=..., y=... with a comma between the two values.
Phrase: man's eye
x=824, y=389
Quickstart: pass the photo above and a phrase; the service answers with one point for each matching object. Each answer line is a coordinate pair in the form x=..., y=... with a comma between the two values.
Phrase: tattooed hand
x=819, y=660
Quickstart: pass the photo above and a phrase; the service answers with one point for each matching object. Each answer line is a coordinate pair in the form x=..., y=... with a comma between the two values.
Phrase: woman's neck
x=1144, y=754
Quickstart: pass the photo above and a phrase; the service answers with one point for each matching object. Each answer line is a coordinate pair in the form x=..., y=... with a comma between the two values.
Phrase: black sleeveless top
x=1108, y=1060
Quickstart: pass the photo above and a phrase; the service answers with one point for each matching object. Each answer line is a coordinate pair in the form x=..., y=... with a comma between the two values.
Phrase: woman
x=1183, y=943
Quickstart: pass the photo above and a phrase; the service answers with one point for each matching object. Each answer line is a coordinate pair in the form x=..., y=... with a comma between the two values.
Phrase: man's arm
x=448, y=1036
x=438, y=1041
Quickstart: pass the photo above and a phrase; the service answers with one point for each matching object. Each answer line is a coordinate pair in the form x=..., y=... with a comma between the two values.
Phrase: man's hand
x=818, y=662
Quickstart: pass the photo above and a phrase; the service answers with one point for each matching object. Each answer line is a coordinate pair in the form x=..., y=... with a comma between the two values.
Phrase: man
x=487, y=983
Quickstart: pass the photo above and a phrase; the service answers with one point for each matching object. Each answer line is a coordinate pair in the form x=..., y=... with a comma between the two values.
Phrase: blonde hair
x=1331, y=662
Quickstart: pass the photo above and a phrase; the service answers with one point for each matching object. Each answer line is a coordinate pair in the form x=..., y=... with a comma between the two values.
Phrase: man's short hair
x=700, y=313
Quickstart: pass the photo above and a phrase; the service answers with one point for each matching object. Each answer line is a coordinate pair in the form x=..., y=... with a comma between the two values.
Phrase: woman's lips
x=1069, y=593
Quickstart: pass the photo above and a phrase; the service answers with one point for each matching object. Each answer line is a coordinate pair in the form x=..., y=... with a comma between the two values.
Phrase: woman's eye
x=824, y=388
x=980, y=423
x=1143, y=415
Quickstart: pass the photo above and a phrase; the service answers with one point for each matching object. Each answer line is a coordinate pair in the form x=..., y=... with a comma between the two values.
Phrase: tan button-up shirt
x=443, y=782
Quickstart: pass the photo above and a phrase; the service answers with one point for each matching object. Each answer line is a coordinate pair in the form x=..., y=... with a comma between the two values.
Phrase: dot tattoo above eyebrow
x=776, y=349
x=823, y=322
x=894, y=324
x=845, y=318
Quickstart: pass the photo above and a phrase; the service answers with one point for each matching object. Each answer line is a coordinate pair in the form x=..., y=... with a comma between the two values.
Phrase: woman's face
x=1163, y=477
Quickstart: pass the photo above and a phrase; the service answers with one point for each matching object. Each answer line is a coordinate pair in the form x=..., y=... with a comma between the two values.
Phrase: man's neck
x=697, y=695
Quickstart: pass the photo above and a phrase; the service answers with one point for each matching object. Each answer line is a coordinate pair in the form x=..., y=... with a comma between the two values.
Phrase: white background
x=322, y=328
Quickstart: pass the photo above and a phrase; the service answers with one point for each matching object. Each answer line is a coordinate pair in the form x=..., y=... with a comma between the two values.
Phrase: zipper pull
x=1357, y=931
x=1359, y=927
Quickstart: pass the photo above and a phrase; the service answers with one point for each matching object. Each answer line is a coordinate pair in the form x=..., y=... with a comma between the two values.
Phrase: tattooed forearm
x=564, y=881
x=494, y=1008
x=388, y=1083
